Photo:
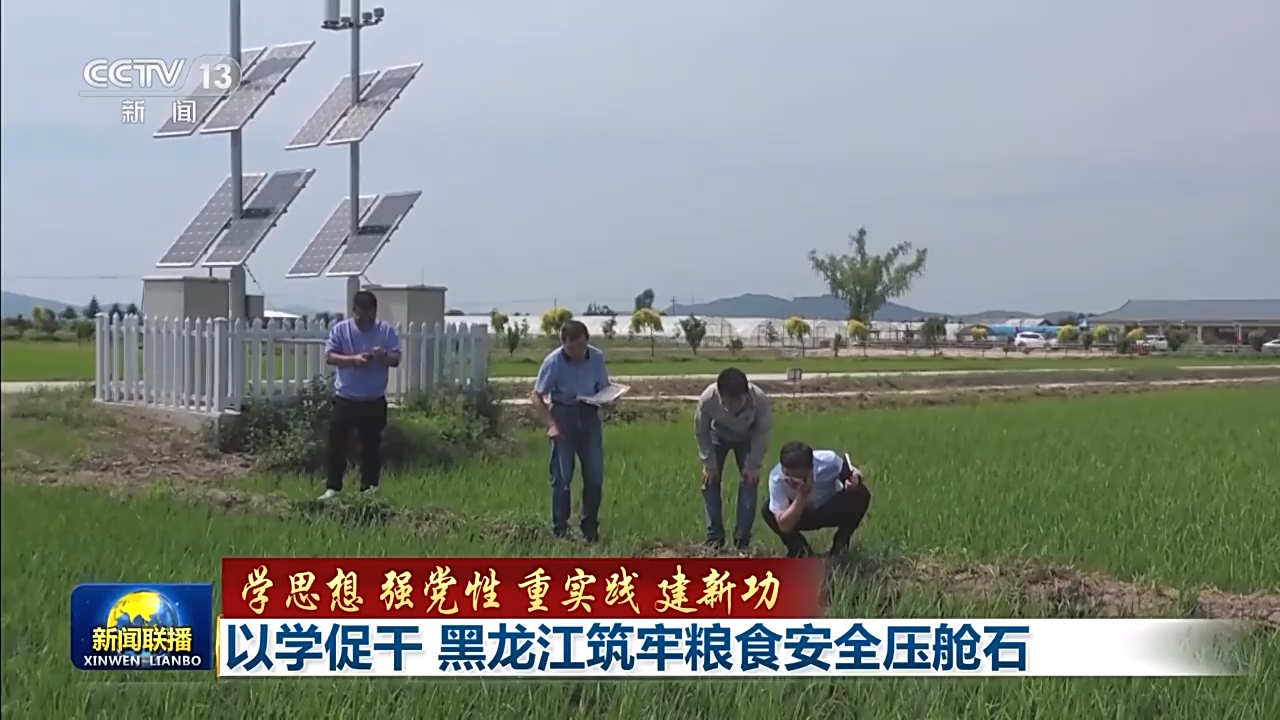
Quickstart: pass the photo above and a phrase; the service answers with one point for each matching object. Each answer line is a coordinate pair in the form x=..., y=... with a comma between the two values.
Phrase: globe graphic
x=141, y=609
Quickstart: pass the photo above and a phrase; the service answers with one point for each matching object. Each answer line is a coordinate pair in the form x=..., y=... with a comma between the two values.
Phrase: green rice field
x=1176, y=489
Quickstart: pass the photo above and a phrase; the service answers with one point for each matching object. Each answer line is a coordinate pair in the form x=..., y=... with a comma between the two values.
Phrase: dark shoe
x=838, y=550
x=801, y=552
x=741, y=546
x=716, y=545
x=560, y=533
x=591, y=537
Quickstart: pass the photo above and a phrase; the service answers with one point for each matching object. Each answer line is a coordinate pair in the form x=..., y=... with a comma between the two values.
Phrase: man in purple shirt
x=362, y=348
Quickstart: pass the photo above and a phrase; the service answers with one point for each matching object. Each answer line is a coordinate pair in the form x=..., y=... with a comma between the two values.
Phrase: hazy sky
x=1049, y=155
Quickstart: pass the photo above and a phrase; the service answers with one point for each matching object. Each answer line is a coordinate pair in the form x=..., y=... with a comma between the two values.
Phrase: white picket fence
x=213, y=365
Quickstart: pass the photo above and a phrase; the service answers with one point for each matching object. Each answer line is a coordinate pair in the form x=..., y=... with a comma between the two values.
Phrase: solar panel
x=203, y=101
x=327, y=242
x=374, y=104
x=330, y=112
x=260, y=215
x=207, y=225
x=375, y=231
x=256, y=86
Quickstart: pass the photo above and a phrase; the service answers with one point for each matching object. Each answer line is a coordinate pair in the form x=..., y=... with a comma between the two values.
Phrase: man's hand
x=805, y=487
x=710, y=476
x=378, y=351
x=553, y=430
x=751, y=476
x=360, y=360
x=854, y=479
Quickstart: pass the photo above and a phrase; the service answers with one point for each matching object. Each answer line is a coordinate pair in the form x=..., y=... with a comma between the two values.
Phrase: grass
x=48, y=361
x=1176, y=488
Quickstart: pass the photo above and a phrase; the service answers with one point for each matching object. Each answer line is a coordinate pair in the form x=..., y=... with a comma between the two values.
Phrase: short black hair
x=796, y=456
x=365, y=300
x=731, y=382
x=574, y=330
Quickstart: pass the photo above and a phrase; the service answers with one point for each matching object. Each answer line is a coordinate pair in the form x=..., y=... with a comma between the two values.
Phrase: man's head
x=796, y=459
x=574, y=337
x=364, y=308
x=731, y=385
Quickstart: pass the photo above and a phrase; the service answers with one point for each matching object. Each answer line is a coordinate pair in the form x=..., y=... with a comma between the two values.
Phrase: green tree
x=1177, y=337
x=647, y=319
x=860, y=332
x=454, y=312
x=610, y=325
x=797, y=328
x=554, y=319
x=498, y=321
x=735, y=345
x=132, y=309
x=867, y=281
x=115, y=311
x=694, y=330
x=83, y=329
x=1102, y=334
x=1067, y=334
x=1086, y=340
x=644, y=301
x=44, y=320
x=514, y=334
x=92, y=309
x=69, y=313
x=596, y=309
x=933, y=332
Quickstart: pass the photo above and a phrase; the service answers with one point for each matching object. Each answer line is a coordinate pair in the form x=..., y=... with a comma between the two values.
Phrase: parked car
x=1156, y=343
x=1028, y=341
x=1271, y=346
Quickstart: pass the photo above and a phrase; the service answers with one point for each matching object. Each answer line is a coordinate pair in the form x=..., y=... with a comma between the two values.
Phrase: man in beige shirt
x=733, y=415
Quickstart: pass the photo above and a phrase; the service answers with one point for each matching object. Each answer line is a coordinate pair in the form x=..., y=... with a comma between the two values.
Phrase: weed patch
x=290, y=435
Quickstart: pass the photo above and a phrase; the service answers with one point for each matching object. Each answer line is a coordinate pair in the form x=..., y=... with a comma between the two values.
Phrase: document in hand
x=606, y=396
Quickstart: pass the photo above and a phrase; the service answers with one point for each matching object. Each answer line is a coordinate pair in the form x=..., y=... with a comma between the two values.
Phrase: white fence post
x=220, y=349
x=100, y=376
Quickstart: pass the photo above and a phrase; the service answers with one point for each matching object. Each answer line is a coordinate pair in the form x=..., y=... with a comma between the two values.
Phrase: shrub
x=290, y=434
x=735, y=345
x=1256, y=340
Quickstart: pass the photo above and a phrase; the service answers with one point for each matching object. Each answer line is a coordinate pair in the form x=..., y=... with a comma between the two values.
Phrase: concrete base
x=197, y=422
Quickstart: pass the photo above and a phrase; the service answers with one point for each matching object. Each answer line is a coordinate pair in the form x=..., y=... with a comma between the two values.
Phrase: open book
x=606, y=396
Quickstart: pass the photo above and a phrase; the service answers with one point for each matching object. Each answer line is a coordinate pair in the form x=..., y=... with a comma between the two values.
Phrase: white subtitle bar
x=684, y=648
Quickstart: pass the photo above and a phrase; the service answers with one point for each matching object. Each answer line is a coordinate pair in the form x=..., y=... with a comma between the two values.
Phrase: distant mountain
x=15, y=304
x=819, y=307
x=18, y=304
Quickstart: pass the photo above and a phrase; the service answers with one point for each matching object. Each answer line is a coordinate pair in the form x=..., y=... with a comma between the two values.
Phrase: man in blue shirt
x=574, y=369
x=811, y=489
x=362, y=348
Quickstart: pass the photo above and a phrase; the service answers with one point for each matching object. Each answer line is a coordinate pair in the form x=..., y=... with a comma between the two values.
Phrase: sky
x=1049, y=155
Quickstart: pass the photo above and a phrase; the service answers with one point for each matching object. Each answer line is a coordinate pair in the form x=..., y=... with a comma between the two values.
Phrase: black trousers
x=844, y=512
x=368, y=418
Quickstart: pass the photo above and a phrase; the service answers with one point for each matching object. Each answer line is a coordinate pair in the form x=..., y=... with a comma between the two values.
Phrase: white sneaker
x=330, y=494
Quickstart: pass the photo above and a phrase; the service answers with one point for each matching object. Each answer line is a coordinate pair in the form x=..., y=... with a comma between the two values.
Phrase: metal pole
x=236, y=291
x=353, y=283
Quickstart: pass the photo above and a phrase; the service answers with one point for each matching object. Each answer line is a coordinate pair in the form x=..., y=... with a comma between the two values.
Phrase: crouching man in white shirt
x=812, y=489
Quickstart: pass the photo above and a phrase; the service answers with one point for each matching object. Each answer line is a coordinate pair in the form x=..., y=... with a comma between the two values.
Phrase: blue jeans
x=582, y=438
x=746, y=498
